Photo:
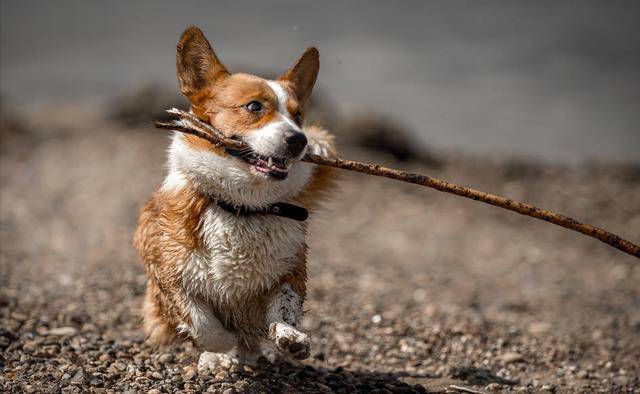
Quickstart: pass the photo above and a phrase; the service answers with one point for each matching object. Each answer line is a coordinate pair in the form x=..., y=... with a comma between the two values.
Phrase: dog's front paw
x=213, y=363
x=290, y=341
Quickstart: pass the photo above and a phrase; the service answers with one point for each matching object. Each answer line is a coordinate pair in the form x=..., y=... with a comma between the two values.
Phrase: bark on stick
x=190, y=124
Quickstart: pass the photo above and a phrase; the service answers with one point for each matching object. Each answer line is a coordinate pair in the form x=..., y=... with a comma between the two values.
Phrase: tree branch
x=190, y=124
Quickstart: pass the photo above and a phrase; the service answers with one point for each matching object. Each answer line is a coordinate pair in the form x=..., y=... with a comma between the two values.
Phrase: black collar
x=282, y=209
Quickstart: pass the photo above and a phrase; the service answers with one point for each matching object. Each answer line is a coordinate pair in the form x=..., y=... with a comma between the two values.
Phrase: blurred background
x=536, y=101
x=545, y=79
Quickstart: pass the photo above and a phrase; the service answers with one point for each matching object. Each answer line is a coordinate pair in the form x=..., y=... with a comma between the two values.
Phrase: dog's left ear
x=302, y=75
x=197, y=64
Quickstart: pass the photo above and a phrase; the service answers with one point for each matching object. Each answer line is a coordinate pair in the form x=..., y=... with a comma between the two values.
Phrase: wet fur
x=220, y=280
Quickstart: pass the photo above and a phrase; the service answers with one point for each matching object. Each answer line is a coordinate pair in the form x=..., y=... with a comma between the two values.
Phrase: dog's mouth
x=275, y=167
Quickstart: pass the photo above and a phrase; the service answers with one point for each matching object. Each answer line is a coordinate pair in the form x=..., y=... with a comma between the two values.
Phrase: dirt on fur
x=411, y=290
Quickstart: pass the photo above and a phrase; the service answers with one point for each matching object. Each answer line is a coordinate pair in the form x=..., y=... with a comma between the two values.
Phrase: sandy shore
x=410, y=289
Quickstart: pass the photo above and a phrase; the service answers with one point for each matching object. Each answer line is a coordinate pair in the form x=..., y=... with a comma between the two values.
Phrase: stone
x=62, y=331
x=78, y=378
x=166, y=358
x=512, y=357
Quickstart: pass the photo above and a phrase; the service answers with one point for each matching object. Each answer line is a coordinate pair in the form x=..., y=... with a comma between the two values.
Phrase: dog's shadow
x=285, y=376
x=479, y=376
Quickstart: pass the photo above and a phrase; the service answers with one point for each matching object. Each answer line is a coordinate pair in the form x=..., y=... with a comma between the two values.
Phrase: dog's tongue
x=270, y=163
x=274, y=167
x=262, y=169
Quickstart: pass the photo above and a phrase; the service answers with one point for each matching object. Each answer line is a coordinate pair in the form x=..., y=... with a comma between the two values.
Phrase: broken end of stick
x=168, y=125
x=174, y=111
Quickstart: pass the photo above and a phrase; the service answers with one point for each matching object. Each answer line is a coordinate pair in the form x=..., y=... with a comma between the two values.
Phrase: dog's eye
x=298, y=117
x=254, y=107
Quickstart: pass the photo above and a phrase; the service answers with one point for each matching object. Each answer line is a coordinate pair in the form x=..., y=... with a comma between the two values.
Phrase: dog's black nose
x=296, y=141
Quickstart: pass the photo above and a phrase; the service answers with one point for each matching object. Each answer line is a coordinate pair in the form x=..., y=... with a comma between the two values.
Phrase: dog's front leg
x=220, y=346
x=283, y=318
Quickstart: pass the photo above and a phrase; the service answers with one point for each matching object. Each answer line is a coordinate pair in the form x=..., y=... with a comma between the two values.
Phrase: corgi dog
x=222, y=239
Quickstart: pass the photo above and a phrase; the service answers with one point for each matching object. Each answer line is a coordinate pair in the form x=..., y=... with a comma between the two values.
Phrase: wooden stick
x=190, y=124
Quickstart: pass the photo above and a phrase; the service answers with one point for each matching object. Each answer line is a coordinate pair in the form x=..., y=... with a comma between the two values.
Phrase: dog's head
x=265, y=114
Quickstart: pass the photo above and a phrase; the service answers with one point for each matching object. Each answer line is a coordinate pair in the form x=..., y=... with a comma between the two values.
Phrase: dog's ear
x=302, y=75
x=196, y=62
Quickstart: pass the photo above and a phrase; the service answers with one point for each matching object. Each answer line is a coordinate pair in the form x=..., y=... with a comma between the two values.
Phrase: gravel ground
x=411, y=290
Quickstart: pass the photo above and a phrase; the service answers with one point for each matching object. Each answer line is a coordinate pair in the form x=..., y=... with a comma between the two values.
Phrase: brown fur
x=167, y=233
x=301, y=77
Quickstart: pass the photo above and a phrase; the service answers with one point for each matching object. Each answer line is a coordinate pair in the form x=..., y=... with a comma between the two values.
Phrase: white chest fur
x=241, y=256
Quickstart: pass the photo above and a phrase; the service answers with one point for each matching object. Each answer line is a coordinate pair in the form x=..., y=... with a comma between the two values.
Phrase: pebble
x=220, y=376
x=62, y=331
x=621, y=380
x=166, y=358
x=18, y=316
x=511, y=357
x=157, y=376
x=78, y=378
x=539, y=327
x=190, y=372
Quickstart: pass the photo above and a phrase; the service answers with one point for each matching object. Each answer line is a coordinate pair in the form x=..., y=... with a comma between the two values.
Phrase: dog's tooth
x=270, y=162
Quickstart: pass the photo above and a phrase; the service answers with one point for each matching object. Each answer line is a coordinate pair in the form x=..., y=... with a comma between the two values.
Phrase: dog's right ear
x=197, y=64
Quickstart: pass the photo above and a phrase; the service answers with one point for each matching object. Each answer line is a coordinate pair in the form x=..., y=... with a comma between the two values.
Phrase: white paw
x=216, y=362
x=290, y=341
